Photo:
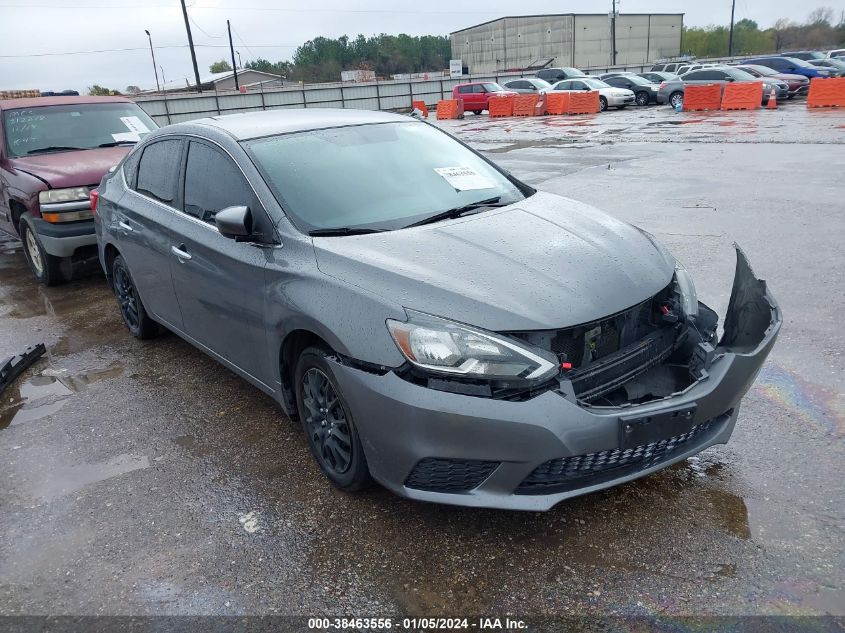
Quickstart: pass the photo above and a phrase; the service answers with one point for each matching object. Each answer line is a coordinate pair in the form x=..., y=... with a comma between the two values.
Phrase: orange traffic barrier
x=420, y=105
x=772, y=103
x=746, y=95
x=525, y=105
x=500, y=106
x=826, y=92
x=450, y=109
x=584, y=102
x=705, y=97
x=557, y=102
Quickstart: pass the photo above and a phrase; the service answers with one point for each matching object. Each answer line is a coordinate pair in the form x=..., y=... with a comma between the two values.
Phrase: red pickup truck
x=53, y=153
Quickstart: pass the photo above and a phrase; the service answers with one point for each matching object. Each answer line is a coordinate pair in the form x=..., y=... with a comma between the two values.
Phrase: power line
x=274, y=9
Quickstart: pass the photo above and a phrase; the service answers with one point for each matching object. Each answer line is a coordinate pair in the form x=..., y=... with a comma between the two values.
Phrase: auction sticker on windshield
x=464, y=178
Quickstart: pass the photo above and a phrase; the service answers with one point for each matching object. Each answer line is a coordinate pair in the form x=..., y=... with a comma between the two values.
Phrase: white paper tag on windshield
x=464, y=178
x=126, y=136
x=134, y=124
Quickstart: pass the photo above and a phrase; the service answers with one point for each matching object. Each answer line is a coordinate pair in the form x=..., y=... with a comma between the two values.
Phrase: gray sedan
x=436, y=325
x=527, y=85
x=728, y=74
x=670, y=87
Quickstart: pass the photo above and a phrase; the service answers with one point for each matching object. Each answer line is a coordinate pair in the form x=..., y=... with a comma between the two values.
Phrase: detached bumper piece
x=579, y=471
x=449, y=475
x=14, y=366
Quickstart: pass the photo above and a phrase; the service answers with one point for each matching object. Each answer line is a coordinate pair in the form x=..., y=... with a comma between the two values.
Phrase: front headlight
x=686, y=289
x=445, y=347
x=54, y=196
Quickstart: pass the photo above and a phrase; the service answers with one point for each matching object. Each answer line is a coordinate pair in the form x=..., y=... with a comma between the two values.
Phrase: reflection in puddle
x=42, y=395
x=62, y=480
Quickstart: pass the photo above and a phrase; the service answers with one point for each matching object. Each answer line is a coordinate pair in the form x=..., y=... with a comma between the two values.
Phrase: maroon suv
x=53, y=153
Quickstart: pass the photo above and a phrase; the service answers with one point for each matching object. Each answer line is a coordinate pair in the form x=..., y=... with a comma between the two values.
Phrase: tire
x=45, y=267
x=327, y=422
x=675, y=98
x=132, y=310
x=602, y=104
x=477, y=112
x=641, y=98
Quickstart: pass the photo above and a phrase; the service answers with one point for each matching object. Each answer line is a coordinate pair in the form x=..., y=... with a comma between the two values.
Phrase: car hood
x=71, y=169
x=545, y=262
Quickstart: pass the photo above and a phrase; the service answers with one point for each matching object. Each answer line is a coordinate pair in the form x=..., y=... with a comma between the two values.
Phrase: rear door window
x=158, y=170
x=212, y=183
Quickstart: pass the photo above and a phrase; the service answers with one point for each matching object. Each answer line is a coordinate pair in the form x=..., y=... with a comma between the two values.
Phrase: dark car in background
x=403, y=324
x=553, y=75
x=645, y=92
x=53, y=153
x=805, y=55
x=791, y=65
x=798, y=84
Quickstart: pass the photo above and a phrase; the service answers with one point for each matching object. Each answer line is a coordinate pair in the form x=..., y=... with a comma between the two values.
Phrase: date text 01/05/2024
x=415, y=624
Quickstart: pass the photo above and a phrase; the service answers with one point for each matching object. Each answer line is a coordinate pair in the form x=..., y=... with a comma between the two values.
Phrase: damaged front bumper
x=529, y=455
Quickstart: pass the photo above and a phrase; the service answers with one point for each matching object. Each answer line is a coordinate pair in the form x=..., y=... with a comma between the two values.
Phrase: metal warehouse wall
x=572, y=40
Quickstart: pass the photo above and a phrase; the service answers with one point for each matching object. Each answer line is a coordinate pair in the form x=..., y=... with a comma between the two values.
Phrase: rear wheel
x=45, y=267
x=602, y=104
x=132, y=310
x=642, y=99
x=477, y=112
x=676, y=98
x=327, y=422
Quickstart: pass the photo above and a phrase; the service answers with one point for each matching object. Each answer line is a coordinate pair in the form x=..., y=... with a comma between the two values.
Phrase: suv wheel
x=45, y=267
x=132, y=310
x=327, y=422
x=642, y=99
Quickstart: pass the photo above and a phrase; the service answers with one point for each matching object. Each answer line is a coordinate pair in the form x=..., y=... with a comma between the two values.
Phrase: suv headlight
x=453, y=349
x=54, y=196
x=686, y=288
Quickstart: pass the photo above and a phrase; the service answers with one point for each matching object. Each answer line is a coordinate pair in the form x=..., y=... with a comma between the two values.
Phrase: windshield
x=541, y=84
x=739, y=75
x=491, y=87
x=382, y=176
x=75, y=126
x=636, y=79
x=595, y=84
x=761, y=71
x=574, y=72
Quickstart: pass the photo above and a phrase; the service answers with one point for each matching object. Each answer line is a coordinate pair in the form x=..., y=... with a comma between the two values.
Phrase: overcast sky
x=32, y=29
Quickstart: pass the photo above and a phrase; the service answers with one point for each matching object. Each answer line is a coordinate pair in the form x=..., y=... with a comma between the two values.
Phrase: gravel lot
x=144, y=478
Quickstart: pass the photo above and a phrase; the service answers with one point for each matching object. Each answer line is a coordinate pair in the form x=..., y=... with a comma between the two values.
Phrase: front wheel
x=327, y=422
x=676, y=99
x=477, y=112
x=46, y=268
x=132, y=309
x=602, y=104
x=642, y=99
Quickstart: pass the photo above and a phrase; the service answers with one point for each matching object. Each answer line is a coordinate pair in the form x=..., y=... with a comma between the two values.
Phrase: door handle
x=124, y=226
x=181, y=254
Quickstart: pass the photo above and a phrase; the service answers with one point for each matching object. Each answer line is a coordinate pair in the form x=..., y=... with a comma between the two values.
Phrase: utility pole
x=150, y=37
x=232, y=50
x=191, y=46
x=731, y=36
x=613, y=35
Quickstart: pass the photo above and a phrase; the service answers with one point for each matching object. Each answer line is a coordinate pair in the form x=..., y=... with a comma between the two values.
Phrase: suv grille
x=449, y=475
x=569, y=473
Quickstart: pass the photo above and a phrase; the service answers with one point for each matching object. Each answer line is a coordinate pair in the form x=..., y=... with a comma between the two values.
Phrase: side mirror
x=234, y=222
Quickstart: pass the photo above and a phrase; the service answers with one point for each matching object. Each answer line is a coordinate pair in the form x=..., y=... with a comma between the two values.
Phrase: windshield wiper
x=342, y=230
x=117, y=143
x=52, y=148
x=459, y=211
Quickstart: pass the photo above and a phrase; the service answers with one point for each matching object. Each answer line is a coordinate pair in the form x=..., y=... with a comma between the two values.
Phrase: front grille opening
x=643, y=353
x=579, y=471
x=449, y=475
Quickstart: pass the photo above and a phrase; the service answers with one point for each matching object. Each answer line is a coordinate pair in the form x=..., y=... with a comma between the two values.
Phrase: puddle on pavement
x=62, y=479
x=43, y=394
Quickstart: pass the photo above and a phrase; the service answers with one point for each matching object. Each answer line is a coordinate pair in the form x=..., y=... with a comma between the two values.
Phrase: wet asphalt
x=144, y=478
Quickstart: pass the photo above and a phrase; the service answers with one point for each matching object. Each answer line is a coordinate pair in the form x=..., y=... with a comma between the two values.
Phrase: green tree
x=221, y=66
x=100, y=91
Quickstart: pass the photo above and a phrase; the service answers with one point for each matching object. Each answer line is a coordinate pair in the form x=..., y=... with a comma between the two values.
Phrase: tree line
x=821, y=29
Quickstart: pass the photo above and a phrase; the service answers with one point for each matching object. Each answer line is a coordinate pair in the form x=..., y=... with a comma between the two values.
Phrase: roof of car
x=38, y=102
x=249, y=125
